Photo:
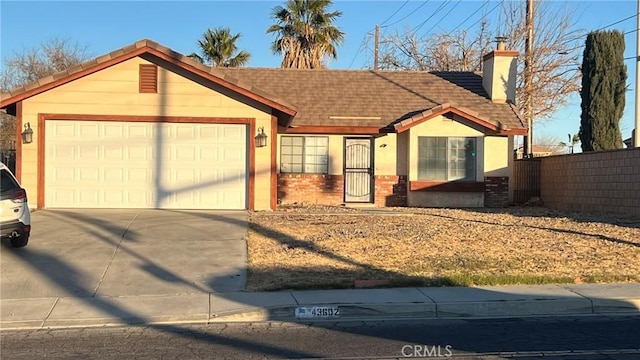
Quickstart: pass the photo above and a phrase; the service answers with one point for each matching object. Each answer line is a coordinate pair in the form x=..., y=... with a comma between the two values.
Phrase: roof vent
x=148, y=78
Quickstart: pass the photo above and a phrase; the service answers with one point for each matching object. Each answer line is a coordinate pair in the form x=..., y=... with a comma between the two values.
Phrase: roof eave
x=337, y=130
x=119, y=56
x=448, y=108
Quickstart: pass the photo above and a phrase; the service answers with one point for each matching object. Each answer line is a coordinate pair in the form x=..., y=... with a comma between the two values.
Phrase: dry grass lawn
x=325, y=247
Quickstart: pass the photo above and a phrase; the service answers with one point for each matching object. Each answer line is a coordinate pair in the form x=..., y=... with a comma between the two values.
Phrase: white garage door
x=107, y=164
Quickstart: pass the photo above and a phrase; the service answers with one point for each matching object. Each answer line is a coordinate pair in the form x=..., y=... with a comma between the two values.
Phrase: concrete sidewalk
x=298, y=306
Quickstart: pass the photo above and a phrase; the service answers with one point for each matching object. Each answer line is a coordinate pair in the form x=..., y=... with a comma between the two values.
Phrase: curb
x=321, y=306
x=478, y=310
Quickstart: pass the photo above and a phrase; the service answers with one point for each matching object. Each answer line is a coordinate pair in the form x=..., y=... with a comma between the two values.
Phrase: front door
x=358, y=170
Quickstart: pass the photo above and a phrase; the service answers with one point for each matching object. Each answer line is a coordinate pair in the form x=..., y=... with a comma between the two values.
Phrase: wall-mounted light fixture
x=261, y=138
x=27, y=134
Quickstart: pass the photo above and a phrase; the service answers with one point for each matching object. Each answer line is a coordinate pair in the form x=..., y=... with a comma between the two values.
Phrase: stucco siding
x=492, y=154
x=441, y=126
x=404, y=155
x=386, y=155
x=115, y=91
x=496, y=163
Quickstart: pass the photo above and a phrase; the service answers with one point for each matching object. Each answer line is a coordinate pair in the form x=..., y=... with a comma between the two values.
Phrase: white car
x=15, y=217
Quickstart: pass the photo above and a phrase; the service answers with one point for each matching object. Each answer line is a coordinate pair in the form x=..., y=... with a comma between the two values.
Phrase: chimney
x=499, y=69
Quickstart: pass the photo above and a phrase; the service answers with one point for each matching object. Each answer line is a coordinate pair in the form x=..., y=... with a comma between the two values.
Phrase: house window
x=304, y=154
x=447, y=159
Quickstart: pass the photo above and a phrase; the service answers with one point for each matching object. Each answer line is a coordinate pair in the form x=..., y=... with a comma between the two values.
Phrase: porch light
x=261, y=138
x=27, y=134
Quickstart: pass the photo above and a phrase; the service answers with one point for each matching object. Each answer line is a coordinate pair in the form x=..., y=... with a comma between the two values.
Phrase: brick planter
x=391, y=191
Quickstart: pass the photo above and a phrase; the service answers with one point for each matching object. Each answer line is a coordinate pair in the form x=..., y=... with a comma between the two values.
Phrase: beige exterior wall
x=402, y=165
x=492, y=152
x=386, y=155
x=511, y=146
x=442, y=126
x=114, y=91
x=500, y=72
x=385, y=152
x=496, y=161
x=487, y=76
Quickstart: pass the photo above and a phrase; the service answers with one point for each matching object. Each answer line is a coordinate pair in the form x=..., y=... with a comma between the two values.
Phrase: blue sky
x=108, y=25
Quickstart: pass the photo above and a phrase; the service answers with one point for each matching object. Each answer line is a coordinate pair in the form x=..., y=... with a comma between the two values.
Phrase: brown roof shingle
x=376, y=98
x=331, y=97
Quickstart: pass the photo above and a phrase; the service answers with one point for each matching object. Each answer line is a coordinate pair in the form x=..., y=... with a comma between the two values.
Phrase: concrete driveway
x=89, y=253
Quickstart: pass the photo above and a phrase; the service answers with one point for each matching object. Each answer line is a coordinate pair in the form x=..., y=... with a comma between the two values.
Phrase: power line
x=392, y=15
x=470, y=16
x=409, y=14
x=618, y=22
x=630, y=31
x=444, y=16
x=490, y=11
x=414, y=30
x=364, y=38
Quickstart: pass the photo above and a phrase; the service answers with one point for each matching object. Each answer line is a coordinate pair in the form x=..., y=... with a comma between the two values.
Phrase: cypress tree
x=604, y=77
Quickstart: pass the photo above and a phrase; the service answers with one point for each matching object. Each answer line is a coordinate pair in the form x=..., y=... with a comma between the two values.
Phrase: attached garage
x=144, y=127
x=114, y=164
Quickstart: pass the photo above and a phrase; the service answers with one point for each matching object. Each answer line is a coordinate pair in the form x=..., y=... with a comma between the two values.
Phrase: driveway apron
x=88, y=253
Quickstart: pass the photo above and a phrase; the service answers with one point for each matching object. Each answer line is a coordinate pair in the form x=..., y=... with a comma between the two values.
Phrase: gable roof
x=378, y=98
x=139, y=48
x=328, y=98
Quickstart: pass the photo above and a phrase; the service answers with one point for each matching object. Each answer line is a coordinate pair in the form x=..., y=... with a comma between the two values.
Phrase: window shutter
x=148, y=78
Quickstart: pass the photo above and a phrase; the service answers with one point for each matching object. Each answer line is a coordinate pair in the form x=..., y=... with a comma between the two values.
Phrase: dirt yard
x=332, y=247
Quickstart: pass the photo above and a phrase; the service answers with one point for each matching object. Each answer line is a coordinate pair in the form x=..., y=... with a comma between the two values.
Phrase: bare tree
x=547, y=142
x=557, y=45
x=7, y=132
x=31, y=64
x=54, y=55
x=456, y=51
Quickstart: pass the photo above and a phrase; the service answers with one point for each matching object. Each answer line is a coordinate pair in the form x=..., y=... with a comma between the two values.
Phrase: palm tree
x=305, y=33
x=218, y=48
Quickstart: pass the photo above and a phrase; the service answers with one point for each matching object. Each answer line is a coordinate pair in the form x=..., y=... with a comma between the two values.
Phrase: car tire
x=18, y=242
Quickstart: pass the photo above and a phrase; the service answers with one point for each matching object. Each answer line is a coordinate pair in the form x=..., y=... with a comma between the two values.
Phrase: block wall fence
x=604, y=181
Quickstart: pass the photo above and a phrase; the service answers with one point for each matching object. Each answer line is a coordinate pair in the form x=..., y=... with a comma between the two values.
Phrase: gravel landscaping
x=311, y=247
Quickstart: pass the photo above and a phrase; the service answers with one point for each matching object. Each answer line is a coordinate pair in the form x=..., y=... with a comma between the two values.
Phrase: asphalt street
x=519, y=338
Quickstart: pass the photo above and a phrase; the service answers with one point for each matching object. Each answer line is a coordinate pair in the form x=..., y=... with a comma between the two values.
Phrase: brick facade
x=391, y=191
x=496, y=193
x=329, y=189
x=310, y=188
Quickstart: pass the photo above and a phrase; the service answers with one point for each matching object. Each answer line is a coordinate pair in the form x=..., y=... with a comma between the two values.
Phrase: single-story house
x=147, y=127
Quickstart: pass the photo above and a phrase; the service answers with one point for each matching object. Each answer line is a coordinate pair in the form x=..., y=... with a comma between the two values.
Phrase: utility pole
x=377, y=46
x=528, y=79
x=636, y=132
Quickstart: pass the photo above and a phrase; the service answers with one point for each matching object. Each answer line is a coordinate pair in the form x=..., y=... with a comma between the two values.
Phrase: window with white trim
x=304, y=154
x=447, y=158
